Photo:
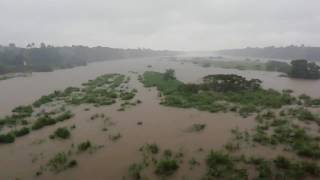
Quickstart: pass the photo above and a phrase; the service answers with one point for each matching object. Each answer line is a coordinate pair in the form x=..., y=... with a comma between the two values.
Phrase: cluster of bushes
x=218, y=93
x=62, y=133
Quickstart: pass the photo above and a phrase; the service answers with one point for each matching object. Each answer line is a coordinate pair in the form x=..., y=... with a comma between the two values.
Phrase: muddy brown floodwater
x=162, y=125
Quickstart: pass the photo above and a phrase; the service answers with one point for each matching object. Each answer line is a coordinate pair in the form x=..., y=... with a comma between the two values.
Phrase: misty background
x=165, y=24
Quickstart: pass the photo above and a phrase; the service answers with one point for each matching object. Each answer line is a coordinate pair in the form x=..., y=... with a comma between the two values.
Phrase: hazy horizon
x=161, y=25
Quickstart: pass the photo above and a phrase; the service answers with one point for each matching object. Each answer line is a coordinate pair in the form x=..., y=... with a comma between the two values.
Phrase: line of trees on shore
x=47, y=58
x=288, y=52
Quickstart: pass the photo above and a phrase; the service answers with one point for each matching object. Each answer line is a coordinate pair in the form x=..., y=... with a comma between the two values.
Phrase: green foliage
x=134, y=171
x=61, y=162
x=127, y=95
x=7, y=138
x=282, y=162
x=166, y=167
x=21, y=132
x=42, y=122
x=218, y=93
x=44, y=100
x=152, y=148
x=62, y=133
x=221, y=166
x=229, y=82
x=23, y=111
x=84, y=146
x=151, y=79
x=64, y=116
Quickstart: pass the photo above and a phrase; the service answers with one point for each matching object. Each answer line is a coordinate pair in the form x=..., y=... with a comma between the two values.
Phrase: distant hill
x=289, y=52
x=47, y=58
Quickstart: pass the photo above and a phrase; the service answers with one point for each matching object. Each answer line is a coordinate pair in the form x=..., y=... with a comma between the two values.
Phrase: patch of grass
x=151, y=79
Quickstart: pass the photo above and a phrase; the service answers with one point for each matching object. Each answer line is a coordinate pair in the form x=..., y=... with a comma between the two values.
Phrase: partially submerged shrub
x=221, y=166
x=115, y=137
x=7, y=138
x=196, y=128
x=42, y=122
x=21, y=132
x=61, y=162
x=166, y=167
x=84, y=146
x=135, y=171
x=152, y=148
x=62, y=133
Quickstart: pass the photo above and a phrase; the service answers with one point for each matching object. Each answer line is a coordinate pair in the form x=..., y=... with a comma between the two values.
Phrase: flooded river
x=162, y=125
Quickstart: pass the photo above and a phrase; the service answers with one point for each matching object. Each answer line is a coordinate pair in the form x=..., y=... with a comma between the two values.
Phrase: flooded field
x=148, y=122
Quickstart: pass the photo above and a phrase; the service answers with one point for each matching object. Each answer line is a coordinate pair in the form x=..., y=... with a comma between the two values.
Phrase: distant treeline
x=289, y=52
x=47, y=58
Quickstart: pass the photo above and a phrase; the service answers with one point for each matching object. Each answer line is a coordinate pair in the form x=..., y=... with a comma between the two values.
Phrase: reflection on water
x=162, y=125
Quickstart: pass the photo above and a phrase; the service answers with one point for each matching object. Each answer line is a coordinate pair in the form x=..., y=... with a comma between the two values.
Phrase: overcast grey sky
x=161, y=24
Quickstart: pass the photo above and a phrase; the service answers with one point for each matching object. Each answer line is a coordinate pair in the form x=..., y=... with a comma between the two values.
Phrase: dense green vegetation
x=155, y=79
x=218, y=93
